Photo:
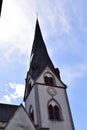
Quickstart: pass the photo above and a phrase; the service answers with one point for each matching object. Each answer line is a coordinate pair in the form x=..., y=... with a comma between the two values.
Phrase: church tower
x=45, y=94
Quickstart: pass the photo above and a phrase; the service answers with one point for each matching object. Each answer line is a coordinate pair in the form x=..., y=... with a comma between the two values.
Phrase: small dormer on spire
x=39, y=58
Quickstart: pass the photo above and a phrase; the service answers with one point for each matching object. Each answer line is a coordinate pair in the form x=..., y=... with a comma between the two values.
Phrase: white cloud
x=18, y=22
x=13, y=92
x=16, y=30
x=5, y=99
x=13, y=19
x=18, y=90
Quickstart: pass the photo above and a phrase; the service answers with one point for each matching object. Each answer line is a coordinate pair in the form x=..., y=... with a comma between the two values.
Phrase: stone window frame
x=49, y=80
x=55, y=113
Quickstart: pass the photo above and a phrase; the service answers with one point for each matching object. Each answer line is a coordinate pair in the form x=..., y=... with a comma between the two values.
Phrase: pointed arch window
x=48, y=80
x=54, y=111
x=31, y=113
x=51, y=81
x=51, y=113
x=57, y=112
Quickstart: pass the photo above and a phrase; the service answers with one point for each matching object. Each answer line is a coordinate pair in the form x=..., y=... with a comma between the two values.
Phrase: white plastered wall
x=20, y=121
x=31, y=101
x=60, y=97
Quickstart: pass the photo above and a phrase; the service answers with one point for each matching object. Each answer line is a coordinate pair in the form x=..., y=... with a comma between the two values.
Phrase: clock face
x=52, y=91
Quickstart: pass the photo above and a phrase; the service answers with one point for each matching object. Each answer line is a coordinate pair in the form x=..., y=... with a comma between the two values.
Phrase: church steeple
x=45, y=94
x=39, y=56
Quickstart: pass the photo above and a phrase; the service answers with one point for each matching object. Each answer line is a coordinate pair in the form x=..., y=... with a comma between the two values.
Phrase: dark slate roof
x=39, y=55
x=7, y=111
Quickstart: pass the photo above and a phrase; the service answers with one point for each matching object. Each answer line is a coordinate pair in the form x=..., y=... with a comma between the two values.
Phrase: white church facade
x=46, y=102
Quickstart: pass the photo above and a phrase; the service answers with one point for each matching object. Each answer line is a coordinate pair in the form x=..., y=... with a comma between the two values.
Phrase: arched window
x=54, y=111
x=57, y=112
x=51, y=81
x=51, y=114
x=48, y=81
x=31, y=113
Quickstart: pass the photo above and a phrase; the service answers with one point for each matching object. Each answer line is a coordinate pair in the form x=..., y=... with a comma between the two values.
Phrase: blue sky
x=64, y=28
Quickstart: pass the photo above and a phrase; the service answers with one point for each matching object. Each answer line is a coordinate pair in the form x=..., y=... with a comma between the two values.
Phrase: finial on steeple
x=37, y=15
